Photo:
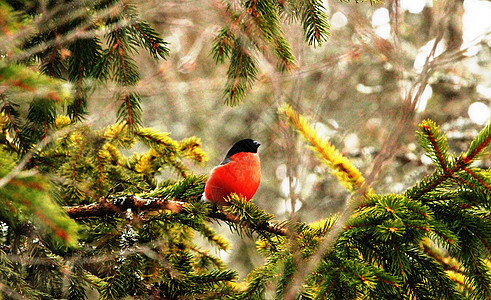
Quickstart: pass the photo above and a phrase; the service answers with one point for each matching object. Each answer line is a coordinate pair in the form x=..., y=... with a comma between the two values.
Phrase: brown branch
x=119, y=205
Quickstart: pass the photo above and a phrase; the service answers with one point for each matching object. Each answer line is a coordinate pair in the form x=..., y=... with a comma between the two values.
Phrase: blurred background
x=399, y=60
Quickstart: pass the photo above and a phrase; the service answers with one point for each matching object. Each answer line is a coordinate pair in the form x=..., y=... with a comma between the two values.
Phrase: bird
x=239, y=173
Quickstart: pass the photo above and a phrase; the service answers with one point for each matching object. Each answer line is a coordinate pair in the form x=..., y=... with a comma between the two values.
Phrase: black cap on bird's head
x=246, y=145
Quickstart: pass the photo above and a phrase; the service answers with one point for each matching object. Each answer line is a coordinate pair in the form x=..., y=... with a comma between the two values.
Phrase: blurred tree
x=82, y=217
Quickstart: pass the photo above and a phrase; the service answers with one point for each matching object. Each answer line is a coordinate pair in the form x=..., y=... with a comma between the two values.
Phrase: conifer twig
x=434, y=143
x=482, y=182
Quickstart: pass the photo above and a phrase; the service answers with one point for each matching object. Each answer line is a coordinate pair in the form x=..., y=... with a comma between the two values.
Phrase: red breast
x=239, y=173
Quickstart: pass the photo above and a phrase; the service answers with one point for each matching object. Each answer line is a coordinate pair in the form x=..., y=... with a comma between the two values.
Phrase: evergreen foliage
x=347, y=174
x=255, y=29
x=80, y=217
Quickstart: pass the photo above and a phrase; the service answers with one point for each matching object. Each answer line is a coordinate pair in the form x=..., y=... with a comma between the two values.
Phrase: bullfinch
x=239, y=172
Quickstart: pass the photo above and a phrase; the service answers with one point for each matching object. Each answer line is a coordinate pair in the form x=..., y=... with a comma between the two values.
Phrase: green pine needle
x=435, y=144
x=315, y=23
x=241, y=75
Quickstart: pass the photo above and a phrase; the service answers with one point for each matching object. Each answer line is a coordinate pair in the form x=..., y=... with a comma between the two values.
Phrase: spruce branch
x=448, y=263
x=254, y=29
x=160, y=141
x=260, y=277
x=479, y=276
x=480, y=180
x=151, y=40
x=52, y=65
x=130, y=110
x=81, y=64
x=10, y=110
x=435, y=145
x=241, y=74
x=27, y=195
x=222, y=45
x=478, y=144
x=111, y=206
x=267, y=22
x=347, y=174
x=315, y=24
x=251, y=218
x=17, y=77
x=437, y=149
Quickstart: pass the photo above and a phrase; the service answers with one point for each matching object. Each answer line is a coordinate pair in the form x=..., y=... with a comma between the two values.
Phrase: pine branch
x=130, y=110
x=27, y=194
x=278, y=230
x=52, y=65
x=315, y=24
x=223, y=45
x=260, y=277
x=212, y=277
x=438, y=149
x=160, y=141
x=150, y=39
x=241, y=74
x=480, y=180
x=191, y=148
x=478, y=144
x=118, y=135
x=81, y=64
x=436, y=146
x=267, y=23
x=448, y=263
x=112, y=206
x=16, y=77
x=255, y=29
x=436, y=283
x=347, y=174
x=101, y=178
x=10, y=110
x=479, y=275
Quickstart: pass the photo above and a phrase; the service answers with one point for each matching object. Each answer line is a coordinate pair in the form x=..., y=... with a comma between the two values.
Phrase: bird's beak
x=257, y=144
